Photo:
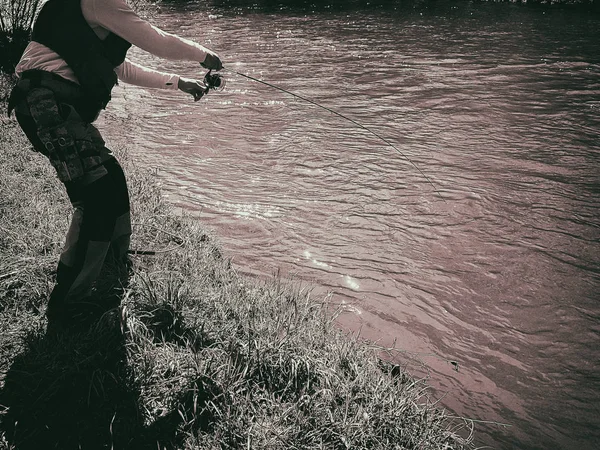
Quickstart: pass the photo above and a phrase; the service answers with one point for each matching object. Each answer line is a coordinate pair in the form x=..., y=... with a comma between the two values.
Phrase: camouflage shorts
x=74, y=147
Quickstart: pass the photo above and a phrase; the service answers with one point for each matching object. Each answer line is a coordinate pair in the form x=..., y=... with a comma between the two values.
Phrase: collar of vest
x=61, y=27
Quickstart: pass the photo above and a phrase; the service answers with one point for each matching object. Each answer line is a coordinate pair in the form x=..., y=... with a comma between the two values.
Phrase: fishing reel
x=214, y=81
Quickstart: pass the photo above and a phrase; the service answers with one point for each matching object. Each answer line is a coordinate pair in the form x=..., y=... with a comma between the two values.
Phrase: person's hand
x=193, y=87
x=212, y=61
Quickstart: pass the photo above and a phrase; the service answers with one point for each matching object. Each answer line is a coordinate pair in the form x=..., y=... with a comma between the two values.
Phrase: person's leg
x=93, y=268
x=69, y=264
x=70, y=259
x=99, y=197
x=93, y=240
x=118, y=265
x=104, y=236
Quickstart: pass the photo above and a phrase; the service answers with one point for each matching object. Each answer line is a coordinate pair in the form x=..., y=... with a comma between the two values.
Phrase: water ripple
x=499, y=110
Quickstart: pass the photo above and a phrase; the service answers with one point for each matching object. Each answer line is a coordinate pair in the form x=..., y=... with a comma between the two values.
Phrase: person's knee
x=120, y=246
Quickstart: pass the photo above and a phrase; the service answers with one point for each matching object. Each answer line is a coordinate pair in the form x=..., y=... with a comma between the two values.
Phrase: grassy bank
x=197, y=357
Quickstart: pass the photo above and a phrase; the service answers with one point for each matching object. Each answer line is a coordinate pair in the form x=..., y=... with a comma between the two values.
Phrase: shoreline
x=197, y=357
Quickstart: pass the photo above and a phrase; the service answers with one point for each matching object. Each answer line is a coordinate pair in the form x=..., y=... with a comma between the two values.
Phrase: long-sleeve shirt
x=105, y=16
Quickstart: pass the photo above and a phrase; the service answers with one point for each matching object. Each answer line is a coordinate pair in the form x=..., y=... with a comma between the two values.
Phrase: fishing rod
x=217, y=82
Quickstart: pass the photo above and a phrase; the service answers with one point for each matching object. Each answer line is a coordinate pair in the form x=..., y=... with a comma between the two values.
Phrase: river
x=484, y=269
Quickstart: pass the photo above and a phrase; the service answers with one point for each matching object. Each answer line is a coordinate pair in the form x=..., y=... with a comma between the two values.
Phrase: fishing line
x=343, y=117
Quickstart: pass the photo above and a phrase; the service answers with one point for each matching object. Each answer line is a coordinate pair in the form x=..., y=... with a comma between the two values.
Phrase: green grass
x=197, y=357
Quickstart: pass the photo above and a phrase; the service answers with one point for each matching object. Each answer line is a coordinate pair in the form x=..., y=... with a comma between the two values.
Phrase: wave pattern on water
x=496, y=104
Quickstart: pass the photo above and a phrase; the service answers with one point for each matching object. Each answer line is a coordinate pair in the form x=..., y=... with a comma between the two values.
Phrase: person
x=66, y=75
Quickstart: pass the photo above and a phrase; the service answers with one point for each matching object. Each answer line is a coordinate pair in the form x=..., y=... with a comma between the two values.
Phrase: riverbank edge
x=198, y=356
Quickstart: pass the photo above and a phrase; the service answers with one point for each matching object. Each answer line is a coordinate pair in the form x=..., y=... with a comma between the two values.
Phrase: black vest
x=62, y=27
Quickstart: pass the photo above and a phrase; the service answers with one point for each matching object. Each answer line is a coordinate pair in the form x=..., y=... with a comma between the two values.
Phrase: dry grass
x=198, y=357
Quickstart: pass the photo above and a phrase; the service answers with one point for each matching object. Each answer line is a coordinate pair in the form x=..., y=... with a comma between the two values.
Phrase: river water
x=493, y=281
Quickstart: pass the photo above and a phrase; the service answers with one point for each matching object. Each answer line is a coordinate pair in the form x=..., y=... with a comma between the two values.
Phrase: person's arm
x=132, y=73
x=118, y=17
